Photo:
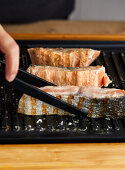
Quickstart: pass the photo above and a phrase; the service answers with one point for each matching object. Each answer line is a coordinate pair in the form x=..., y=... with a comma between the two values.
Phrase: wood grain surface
x=63, y=156
x=67, y=27
x=103, y=37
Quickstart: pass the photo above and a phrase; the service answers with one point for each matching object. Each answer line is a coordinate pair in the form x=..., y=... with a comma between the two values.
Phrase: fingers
x=12, y=62
x=11, y=50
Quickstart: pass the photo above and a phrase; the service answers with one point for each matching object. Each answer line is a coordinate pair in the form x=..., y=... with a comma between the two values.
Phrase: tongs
x=25, y=83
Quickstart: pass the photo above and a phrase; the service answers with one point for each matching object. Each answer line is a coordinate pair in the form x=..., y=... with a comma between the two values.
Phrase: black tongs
x=24, y=81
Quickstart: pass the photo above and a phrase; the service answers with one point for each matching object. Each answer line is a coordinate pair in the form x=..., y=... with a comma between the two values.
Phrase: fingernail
x=11, y=78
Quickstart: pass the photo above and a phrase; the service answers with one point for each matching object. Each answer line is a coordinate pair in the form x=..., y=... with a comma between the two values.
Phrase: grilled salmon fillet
x=84, y=76
x=63, y=57
x=95, y=101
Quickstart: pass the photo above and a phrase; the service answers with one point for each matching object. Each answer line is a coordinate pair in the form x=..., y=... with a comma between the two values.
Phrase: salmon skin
x=63, y=57
x=95, y=101
x=84, y=76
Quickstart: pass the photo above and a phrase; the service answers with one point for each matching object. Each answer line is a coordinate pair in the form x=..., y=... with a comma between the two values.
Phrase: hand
x=11, y=50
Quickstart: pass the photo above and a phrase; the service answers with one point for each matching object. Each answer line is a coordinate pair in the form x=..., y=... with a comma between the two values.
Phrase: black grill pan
x=17, y=128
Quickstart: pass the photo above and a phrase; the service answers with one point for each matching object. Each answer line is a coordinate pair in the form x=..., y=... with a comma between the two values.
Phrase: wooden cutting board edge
x=101, y=37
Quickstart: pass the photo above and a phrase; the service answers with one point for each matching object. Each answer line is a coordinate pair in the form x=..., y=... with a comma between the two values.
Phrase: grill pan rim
x=30, y=137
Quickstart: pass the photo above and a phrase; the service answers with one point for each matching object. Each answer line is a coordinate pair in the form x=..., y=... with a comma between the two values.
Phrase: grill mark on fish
x=91, y=108
x=69, y=99
x=80, y=102
x=103, y=108
x=55, y=109
x=113, y=107
x=44, y=108
x=33, y=106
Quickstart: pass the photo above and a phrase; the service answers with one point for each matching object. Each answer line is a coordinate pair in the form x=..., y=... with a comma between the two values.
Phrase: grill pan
x=18, y=128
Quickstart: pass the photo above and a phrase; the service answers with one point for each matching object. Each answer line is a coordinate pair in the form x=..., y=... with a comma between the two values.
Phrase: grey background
x=99, y=10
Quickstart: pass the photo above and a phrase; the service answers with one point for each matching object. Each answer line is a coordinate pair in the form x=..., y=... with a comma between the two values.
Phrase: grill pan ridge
x=18, y=128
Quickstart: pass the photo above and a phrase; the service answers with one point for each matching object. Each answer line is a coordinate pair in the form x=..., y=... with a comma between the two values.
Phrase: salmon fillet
x=95, y=101
x=64, y=57
x=85, y=76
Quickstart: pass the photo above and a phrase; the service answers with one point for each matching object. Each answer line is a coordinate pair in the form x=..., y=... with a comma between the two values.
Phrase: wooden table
x=64, y=156
x=98, y=156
